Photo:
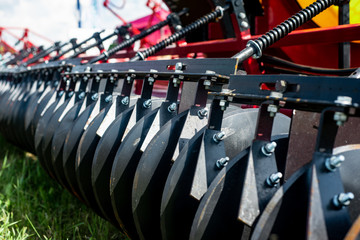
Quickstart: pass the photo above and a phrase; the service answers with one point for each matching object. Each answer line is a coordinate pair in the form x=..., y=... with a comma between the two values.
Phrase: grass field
x=33, y=206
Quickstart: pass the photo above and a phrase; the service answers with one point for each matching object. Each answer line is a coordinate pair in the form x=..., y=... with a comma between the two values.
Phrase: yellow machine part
x=329, y=17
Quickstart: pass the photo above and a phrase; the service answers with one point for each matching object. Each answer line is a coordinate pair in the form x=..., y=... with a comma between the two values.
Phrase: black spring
x=293, y=22
x=180, y=34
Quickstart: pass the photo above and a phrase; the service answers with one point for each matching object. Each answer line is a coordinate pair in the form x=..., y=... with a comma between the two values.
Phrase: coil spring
x=293, y=22
x=180, y=34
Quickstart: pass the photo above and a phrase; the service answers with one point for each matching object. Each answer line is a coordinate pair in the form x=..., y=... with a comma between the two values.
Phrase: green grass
x=33, y=206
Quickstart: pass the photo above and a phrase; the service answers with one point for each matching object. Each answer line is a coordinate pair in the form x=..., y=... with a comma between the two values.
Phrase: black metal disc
x=122, y=175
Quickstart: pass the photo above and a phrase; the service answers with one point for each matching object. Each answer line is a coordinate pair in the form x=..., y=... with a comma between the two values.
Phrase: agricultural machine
x=238, y=122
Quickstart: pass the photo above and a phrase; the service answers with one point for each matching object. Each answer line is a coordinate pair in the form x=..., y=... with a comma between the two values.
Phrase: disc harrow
x=197, y=162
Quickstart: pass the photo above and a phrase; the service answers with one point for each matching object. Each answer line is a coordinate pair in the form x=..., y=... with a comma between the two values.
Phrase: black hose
x=328, y=71
x=180, y=34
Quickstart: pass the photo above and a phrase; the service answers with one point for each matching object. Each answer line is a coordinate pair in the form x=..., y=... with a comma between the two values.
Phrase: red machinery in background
x=192, y=163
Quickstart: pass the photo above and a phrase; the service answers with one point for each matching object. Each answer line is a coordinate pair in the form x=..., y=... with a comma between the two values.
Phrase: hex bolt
x=343, y=100
x=56, y=83
x=151, y=80
x=97, y=78
x=268, y=149
x=81, y=95
x=71, y=94
x=219, y=136
x=95, y=96
x=242, y=15
x=179, y=66
x=129, y=78
x=176, y=81
x=111, y=78
x=222, y=162
x=172, y=107
x=85, y=78
x=343, y=199
x=108, y=98
x=223, y=105
x=244, y=24
x=202, y=113
x=61, y=93
x=272, y=109
x=274, y=179
x=147, y=103
x=125, y=100
x=207, y=84
x=340, y=118
x=334, y=162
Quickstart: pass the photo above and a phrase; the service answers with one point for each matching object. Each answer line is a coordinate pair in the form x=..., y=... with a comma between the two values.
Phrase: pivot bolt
x=268, y=149
x=108, y=98
x=125, y=100
x=343, y=199
x=147, y=103
x=222, y=162
x=61, y=93
x=340, y=118
x=111, y=79
x=85, y=78
x=274, y=179
x=202, y=113
x=70, y=94
x=219, y=136
x=334, y=162
x=172, y=107
x=97, y=78
x=95, y=96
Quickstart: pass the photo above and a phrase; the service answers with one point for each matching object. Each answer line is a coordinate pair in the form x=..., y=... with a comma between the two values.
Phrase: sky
x=58, y=19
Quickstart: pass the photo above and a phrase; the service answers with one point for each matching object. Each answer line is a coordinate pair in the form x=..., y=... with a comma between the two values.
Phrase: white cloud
x=56, y=19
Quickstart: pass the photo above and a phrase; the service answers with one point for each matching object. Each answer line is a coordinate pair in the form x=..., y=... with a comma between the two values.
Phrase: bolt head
x=268, y=149
x=334, y=162
x=343, y=199
x=108, y=98
x=172, y=107
x=222, y=162
x=202, y=113
x=218, y=137
x=147, y=103
x=340, y=118
x=95, y=96
x=244, y=24
x=125, y=100
x=242, y=15
x=274, y=179
x=343, y=100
